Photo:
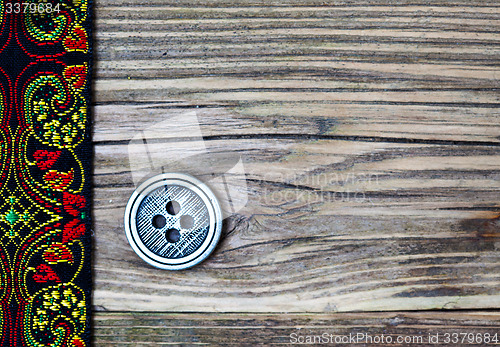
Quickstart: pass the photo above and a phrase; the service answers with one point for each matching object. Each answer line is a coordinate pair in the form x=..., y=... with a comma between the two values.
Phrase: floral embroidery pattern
x=44, y=174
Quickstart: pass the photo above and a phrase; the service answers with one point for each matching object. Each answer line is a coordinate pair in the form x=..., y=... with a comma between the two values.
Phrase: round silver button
x=173, y=221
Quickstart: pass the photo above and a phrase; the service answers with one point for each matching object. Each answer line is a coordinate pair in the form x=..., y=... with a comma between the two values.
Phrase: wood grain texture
x=370, y=136
x=155, y=329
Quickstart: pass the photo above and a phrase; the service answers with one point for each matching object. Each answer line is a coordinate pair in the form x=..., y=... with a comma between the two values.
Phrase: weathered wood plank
x=154, y=329
x=373, y=68
x=329, y=225
x=369, y=132
x=120, y=122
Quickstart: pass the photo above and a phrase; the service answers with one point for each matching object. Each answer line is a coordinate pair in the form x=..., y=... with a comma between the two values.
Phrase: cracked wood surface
x=241, y=329
x=370, y=137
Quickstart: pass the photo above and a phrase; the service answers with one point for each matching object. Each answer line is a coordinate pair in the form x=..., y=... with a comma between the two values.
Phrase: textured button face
x=173, y=221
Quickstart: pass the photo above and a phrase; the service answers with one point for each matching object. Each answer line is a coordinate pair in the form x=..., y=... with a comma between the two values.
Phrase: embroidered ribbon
x=45, y=158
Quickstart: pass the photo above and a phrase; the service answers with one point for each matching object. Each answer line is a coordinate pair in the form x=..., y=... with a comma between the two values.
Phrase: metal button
x=173, y=221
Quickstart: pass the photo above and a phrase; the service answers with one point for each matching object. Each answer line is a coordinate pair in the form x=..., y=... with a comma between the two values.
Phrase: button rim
x=213, y=207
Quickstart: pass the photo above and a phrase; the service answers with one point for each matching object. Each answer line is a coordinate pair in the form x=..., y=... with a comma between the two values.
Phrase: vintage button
x=173, y=221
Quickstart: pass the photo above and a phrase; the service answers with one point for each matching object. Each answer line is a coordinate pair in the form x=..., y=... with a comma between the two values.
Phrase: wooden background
x=370, y=135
